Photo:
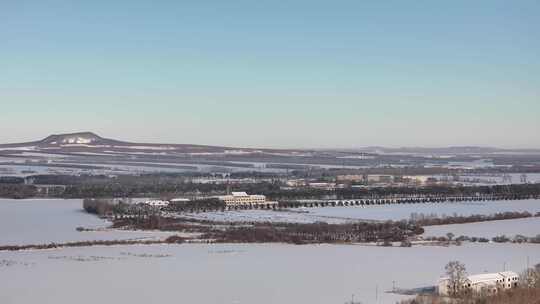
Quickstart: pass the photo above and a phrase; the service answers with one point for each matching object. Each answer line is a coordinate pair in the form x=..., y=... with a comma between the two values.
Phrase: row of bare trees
x=174, y=185
x=317, y=233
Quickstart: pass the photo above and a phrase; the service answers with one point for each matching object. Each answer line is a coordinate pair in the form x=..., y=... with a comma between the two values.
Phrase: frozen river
x=372, y=212
x=404, y=211
x=208, y=274
x=39, y=221
x=527, y=226
x=217, y=274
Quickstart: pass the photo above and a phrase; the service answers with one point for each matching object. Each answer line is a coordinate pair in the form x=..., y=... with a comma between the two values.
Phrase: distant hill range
x=88, y=141
x=57, y=140
x=88, y=153
x=447, y=150
x=91, y=141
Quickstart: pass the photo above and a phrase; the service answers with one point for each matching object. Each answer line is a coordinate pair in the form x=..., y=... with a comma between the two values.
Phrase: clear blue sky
x=273, y=73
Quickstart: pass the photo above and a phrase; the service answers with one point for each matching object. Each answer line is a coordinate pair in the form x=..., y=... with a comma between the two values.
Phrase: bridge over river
x=418, y=199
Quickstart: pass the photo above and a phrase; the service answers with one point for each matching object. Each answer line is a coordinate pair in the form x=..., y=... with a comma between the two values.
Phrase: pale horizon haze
x=270, y=74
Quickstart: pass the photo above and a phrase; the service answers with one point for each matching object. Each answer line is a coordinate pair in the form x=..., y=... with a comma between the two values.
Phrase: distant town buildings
x=420, y=180
x=483, y=283
x=223, y=180
x=323, y=186
x=378, y=178
x=296, y=183
x=363, y=180
x=355, y=178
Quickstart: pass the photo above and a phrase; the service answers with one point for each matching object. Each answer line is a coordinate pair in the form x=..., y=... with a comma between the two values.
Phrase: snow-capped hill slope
x=83, y=138
x=91, y=142
x=87, y=139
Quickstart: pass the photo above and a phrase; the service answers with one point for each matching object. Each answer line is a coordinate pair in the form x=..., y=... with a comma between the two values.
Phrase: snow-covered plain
x=262, y=274
x=529, y=227
x=264, y=216
x=36, y=221
x=206, y=274
x=404, y=211
x=371, y=212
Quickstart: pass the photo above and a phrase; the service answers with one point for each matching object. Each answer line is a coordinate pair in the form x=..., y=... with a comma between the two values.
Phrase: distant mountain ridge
x=78, y=138
x=89, y=153
x=452, y=149
x=90, y=140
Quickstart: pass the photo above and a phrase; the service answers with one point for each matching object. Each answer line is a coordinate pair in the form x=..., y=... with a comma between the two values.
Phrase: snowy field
x=264, y=216
x=404, y=211
x=528, y=227
x=372, y=212
x=207, y=274
x=262, y=274
x=43, y=221
x=36, y=221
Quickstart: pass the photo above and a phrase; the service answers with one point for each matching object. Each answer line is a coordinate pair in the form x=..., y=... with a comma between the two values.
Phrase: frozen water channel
x=529, y=227
x=263, y=274
x=219, y=273
x=371, y=212
x=39, y=221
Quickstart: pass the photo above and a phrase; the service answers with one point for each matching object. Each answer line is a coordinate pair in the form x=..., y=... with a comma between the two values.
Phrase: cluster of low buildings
x=219, y=180
x=328, y=182
x=235, y=199
x=486, y=283
x=359, y=180
x=346, y=180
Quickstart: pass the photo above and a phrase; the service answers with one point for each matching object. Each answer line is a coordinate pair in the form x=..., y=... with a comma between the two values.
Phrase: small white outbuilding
x=157, y=203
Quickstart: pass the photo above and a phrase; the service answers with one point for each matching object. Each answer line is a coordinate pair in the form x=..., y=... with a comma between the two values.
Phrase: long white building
x=156, y=203
x=483, y=283
x=243, y=199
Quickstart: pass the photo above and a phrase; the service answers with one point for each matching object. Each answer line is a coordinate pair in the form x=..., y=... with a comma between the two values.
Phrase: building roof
x=180, y=200
x=487, y=277
x=508, y=274
x=239, y=194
